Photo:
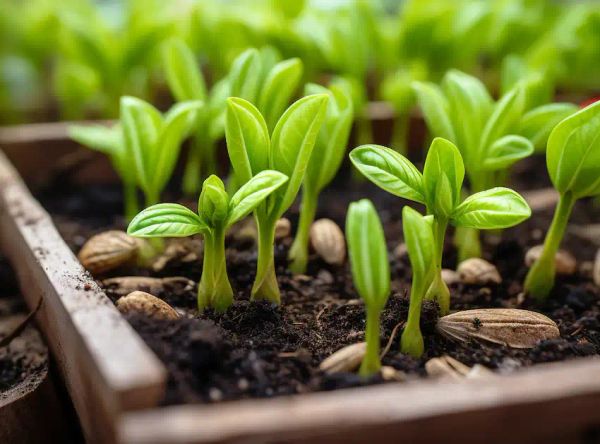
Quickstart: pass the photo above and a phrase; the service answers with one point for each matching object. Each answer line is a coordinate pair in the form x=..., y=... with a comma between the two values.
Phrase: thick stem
x=298, y=254
x=130, y=202
x=192, y=176
x=411, y=341
x=438, y=289
x=265, y=285
x=541, y=276
x=214, y=289
x=468, y=243
x=371, y=363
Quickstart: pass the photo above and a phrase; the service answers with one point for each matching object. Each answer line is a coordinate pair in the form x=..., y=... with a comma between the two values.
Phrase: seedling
x=216, y=213
x=439, y=188
x=325, y=161
x=573, y=160
x=288, y=150
x=487, y=132
x=187, y=83
x=420, y=243
x=370, y=272
x=109, y=141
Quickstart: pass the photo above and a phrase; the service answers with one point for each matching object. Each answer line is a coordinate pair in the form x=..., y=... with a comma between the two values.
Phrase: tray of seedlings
x=247, y=265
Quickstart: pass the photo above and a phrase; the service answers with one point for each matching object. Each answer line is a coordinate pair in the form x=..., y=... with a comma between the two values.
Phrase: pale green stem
x=540, y=279
x=400, y=134
x=130, y=202
x=438, y=289
x=192, y=176
x=214, y=289
x=152, y=198
x=411, y=341
x=468, y=243
x=371, y=363
x=298, y=254
x=265, y=285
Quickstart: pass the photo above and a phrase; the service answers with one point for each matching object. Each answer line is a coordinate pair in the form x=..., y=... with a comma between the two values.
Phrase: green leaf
x=253, y=193
x=247, y=137
x=443, y=175
x=390, y=171
x=293, y=141
x=420, y=242
x=573, y=153
x=504, y=119
x=166, y=220
x=435, y=108
x=176, y=127
x=183, y=73
x=278, y=88
x=506, y=151
x=141, y=123
x=107, y=140
x=537, y=124
x=213, y=204
x=368, y=254
x=491, y=209
x=330, y=147
x=245, y=75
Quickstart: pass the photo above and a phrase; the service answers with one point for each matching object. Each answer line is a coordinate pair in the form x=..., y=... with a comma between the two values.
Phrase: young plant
x=325, y=161
x=487, y=132
x=288, y=150
x=420, y=243
x=370, y=273
x=153, y=141
x=573, y=160
x=109, y=141
x=216, y=213
x=187, y=83
x=439, y=188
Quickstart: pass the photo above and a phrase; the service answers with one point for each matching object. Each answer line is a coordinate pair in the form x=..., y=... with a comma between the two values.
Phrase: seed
x=283, y=228
x=596, y=271
x=391, y=374
x=505, y=326
x=328, y=241
x=145, y=303
x=476, y=271
x=565, y=263
x=450, y=277
x=345, y=359
x=107, y=251
x=122, y=286
x=447, y=367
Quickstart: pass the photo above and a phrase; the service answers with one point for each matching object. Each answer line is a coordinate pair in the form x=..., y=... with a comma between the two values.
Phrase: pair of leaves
x=368, y=254
x=440, y=186
x=153, y=141
x=215, y=208
x=251, y=150
x=260, y=78
x=330, y=147
x=573, y=153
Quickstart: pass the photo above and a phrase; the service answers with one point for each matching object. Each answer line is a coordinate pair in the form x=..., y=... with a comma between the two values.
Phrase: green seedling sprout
x=187, y=83
x=370, y=272
x=420, y=243
x=153, y=141
x=324, y=163
x=288, y=150
x=439, y=188
x=109, y=141
x=216, y=213
x=487, y=132
x=573, y=160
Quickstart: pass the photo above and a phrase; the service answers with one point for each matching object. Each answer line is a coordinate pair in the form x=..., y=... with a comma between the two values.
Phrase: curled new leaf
x=389, y=170
x=213, y=204
x=491, y=209
x=166, y=220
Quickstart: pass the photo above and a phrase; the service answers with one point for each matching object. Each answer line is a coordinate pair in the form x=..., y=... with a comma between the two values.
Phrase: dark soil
x=259, y=350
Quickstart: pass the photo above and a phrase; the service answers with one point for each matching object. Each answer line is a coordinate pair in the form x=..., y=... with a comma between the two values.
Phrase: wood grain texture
x=107, y=368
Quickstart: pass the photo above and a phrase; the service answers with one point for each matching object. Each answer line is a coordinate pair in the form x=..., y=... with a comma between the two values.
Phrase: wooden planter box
x=116, y=382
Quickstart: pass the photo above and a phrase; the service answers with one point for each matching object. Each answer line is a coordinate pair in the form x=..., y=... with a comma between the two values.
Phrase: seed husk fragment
x=447, y=367
x=477, y=271
x=565, y=262
x=141, y=302
x=328, y=241
x=346, y=359
x=512, y=327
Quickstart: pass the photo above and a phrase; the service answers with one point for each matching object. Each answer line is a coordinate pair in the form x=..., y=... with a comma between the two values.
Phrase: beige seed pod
x=328, y=241
x=141, y=302
x=565, y=263
x=477, y=271
x=123, y=285
x=505, y=326
x=391, y=374
x=446, y=367
x=107, y=251
x=346, y=359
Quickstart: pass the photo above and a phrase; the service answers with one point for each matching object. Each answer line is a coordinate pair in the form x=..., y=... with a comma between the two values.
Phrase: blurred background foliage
x=73, y=59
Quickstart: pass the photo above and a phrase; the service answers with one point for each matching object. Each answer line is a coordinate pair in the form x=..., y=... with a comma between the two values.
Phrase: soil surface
x=259, y=350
